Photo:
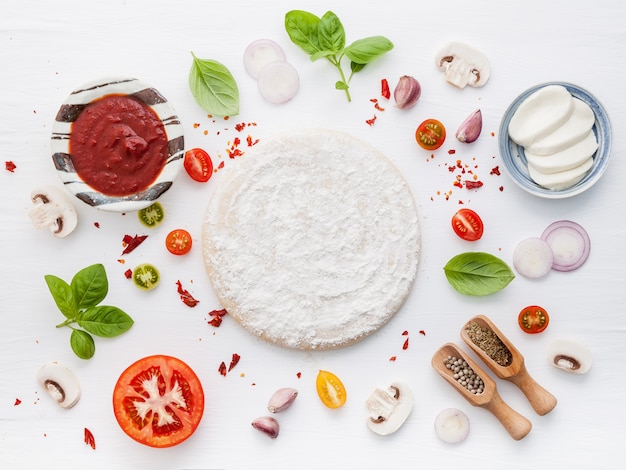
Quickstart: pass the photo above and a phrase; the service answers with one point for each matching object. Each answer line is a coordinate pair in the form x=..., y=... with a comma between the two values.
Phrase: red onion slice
x=570, y=244
x=278, y=82
x=260, y=53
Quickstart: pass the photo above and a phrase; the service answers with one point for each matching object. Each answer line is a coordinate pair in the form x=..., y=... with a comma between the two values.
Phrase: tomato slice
x=468, y=225
x=146, y=276
x=430, y=134
x=152, y=215
x=158, y=401
x=533, y=319
x=198, y=165
x=330, y=389
x=178, y=242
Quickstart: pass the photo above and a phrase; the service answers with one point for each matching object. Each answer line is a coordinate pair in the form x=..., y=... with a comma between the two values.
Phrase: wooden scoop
x=515, y=424
x=540, y=399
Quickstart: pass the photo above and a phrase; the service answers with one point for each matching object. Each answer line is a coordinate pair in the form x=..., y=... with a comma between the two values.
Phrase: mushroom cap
x=53, y=209
x=570, y=355
x=463, y=65
x=60, y=383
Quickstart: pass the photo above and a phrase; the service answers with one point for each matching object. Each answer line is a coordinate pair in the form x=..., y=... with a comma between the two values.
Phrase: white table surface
x=49, y=48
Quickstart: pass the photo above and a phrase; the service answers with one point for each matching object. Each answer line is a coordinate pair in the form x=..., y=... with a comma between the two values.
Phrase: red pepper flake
x=378, y=107
x=405, y=333
x=371, y=121
x=473, y=184
x=501, y=188
x=17, y=402
x=393, y=358
x=221, y=165
x=451, y=152
x=222, y=369
x=385, y=91
x=217, y=315
x=132, y=242
x=234, y=361
x=128, y=273
x=10, y=166
x=215, y=321
x=96, y=224
x=495, y=171
x=251, y=142
x=234, y=152
x=185, y=296
x=422, y=332
x=405, y=346
x=196, y=125
x=89, y=439
x=299, y=375
x=240, y=126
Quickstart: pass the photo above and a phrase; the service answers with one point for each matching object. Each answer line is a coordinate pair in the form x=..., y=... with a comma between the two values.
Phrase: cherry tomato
x=158, y=401
x=330, y=389
x=430, y=134
x=198, y=165
x=146, y=276
x=468, y=225
x=533, y=319
x=178, y=242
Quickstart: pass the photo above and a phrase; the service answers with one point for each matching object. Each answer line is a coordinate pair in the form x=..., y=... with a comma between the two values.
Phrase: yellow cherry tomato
x=330, y=389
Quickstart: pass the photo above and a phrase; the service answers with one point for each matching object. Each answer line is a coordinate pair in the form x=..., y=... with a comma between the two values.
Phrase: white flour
x=312, y=241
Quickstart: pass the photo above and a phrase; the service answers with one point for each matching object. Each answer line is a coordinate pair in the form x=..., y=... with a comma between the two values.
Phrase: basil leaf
x=63, y=295
x=90, y=286
x=321, y=55
x=302, y=29
x=331, y=34
x=354, y=67
x=363, y=51
x=105, y=321
x=213, y=87
x=82, y=344
x=477, y=273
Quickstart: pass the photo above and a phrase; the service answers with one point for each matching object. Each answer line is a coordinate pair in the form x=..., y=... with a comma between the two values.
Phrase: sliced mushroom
x=570, y=356
x=389, y=408
x=463, y=65
x=60, y=383
x=54, y=210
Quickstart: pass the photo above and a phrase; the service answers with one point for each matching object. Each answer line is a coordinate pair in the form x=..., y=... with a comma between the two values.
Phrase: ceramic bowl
x=514, y=160
x=75, y=104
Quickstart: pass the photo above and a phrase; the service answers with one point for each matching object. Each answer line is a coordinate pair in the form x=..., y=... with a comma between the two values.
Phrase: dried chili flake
x=217, y=317
x=234, y=361
x=495, y=171
x=221, y=165
x=215, y=321
x=17, y=402
x=473, y=184
x=405, y=333
x=385, y=91
x=393, y=358
x=132, y=242
x=501, y=188
x=10, y=166
x=451, y=152
x=234, y=152
x=371, y=121
x=128, y=273
x=222, y=369
x=196, y=125
x=422, y=332
x=240, y=126
x=96, y=224
x=299, y=375
x=185, y=296
x=405, y=346
x=89, y=439
x=378, y=107
x=251, y=142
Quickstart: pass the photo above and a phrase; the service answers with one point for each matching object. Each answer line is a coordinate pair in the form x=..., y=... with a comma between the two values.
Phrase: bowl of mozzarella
x=555, y=140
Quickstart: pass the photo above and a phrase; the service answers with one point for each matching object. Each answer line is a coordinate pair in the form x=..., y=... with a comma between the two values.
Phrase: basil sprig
x=213, y=87
x=477, y=273
x=78, y=302
x=325, y=38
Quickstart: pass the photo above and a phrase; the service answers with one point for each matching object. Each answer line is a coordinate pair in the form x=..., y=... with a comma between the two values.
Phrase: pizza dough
x=311, y=240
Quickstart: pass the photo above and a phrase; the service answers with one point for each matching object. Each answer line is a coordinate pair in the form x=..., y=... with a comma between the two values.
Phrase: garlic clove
x=282, y=399
x=60, y=383
x=407, y=92
x=267, y=425
x=470, y=129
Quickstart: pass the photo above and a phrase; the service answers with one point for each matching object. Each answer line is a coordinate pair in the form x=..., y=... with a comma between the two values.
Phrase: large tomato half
x=158, y=401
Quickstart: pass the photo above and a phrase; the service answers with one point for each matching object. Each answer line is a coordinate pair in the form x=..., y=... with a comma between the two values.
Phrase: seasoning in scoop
x=465, y=375
x=489, y=342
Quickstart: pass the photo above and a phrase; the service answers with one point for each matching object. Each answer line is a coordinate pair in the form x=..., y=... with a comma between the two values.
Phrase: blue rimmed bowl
x=71, y=109
x=514, y=159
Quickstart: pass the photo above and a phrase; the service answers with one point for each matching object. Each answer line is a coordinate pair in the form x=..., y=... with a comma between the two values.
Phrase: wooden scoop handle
x=515, y=424
x=540, y=399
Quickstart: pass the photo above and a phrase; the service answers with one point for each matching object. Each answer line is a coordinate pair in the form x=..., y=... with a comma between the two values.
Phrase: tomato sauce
x=118, y=145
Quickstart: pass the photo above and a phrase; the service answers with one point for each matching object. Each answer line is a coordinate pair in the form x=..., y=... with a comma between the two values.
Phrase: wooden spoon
x=540, y=399
x=515, y=424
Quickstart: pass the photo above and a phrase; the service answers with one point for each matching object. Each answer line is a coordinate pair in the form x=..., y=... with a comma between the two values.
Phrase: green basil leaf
x=82, y=344
x=90, y=286
x=354, y=67
x=331, y=34
x=363, y=51
x=302, y=28
x=339, y=85
x=477, y=273
x=213, y=87
x=321, y=55
x=105, y=321
x=63, y=295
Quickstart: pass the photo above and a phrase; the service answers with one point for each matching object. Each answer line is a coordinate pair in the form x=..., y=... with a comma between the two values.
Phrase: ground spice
x=489, y=342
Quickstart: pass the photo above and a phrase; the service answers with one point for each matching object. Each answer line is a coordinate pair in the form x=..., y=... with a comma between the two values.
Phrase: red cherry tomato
x=158, y=401
x=533, y=319
x=468, y=225
x=178, y=242
x=430, y=134
x=198, y=165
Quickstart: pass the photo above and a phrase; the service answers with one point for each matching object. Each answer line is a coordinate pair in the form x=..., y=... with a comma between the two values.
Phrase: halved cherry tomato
x=533, y=319
x=158, y=401
x=146, y=276
x=468, y=225
x=152, y=215
x=430, y=134
x=198, y=165
x=178, y=242
x=330, y=389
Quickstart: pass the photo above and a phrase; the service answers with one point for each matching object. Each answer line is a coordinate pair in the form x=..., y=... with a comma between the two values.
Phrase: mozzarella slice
x=562, y=179
x=565, y=159
x=540, y=114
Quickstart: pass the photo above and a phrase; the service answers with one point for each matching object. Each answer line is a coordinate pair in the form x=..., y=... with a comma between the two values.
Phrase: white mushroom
x=60, y=383
x=389, y=408
x=463, y=65
x=570, y=356
x=54, y=210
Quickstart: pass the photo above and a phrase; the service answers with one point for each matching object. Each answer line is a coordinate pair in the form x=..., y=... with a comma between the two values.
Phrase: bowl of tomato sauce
x=117, y=144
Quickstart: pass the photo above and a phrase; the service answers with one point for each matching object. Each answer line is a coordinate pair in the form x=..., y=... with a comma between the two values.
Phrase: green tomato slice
x=146, y=276
x=152, y=215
